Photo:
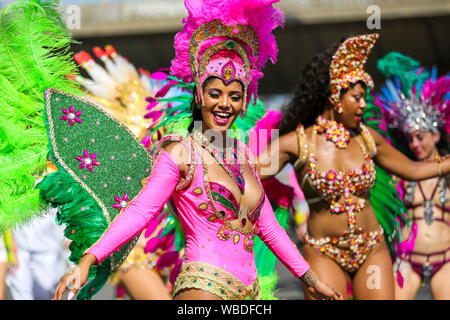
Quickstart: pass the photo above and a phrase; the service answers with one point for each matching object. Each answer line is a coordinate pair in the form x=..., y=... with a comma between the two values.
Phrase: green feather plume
x=265, y=259
x=386, y=202
x=404, y=67
x=84, y=222
x=34, y=55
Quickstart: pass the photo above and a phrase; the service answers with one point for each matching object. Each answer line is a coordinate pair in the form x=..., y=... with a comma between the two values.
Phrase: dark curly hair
x=443, y=144
x=196, y=112
x=312, y=92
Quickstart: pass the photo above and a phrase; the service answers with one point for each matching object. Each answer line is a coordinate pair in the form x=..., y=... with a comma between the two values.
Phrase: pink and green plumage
x=258, y=14
x=413, y=98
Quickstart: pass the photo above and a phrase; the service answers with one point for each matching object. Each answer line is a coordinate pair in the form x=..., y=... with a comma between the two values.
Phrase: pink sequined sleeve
x=133, y=219
x=277, y=240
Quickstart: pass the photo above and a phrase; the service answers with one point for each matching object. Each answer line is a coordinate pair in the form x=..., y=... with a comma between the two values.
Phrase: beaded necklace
x=335, y=132
x=226, y=230
x=230, y=159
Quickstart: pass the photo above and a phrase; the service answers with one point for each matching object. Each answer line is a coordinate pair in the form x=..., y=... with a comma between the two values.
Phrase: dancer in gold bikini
x=334, y=156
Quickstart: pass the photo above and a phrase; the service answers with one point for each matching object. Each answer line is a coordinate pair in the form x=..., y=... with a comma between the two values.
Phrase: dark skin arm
x=285, y=149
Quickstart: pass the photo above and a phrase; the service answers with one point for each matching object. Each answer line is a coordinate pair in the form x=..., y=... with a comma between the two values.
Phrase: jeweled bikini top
x=332, y=185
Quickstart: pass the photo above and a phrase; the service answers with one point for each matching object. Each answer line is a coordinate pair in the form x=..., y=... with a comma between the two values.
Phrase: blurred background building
x=143, y=30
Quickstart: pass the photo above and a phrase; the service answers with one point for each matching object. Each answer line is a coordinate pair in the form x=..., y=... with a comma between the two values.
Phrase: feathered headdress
x=415, y=99
x=229, y=39
x=348, y=63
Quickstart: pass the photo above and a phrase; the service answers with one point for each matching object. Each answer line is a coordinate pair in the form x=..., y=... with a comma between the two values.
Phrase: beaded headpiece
x=417, y=114
x=231, y=40
x=347, y=65
x=413, y=98
x=424, y=107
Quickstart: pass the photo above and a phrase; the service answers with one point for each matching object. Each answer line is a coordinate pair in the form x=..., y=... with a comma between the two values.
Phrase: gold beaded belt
x=203, y=276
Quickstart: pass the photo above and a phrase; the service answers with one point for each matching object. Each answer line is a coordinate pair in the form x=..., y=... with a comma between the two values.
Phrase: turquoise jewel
x=230, y=44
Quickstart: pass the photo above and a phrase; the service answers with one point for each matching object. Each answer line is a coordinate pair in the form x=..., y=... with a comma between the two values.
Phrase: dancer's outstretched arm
x=129, y=223
x=277, y=154
x=397, y=163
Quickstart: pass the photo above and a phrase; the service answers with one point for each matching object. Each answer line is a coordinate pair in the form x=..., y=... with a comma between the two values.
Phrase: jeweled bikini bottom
x=426, y=270
x=203, y=276
x=351, y=258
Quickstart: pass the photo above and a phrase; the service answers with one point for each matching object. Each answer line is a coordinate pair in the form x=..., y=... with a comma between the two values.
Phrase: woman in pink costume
x=209, y=178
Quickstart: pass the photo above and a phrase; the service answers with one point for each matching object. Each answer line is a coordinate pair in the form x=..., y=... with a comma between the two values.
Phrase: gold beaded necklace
x=230, y=159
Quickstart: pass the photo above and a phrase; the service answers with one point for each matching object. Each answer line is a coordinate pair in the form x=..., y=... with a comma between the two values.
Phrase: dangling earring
x=338, y=108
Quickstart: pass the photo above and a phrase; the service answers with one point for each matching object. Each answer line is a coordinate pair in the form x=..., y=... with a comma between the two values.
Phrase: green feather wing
x=384, y=197
x=101, y=165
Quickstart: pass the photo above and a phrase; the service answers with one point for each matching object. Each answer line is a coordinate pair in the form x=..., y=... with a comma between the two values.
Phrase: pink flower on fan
x=121, y=202
x=87, y=161
x=71, y=115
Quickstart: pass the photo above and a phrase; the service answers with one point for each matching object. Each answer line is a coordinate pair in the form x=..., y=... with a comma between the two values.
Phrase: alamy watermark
x=72, y=17
x=374, y=280
x=374, y=19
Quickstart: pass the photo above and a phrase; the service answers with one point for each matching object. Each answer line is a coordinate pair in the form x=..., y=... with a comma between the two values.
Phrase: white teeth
x=223, y=114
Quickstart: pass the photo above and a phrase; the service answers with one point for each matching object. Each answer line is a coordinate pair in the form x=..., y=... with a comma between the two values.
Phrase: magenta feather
x=259, y=14
x=167, y=259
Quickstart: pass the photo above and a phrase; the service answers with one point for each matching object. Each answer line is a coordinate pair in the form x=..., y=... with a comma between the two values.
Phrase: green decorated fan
x=101, y=167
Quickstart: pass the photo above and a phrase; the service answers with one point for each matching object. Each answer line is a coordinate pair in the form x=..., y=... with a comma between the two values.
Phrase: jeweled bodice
x=339, y=188
x=332, y=185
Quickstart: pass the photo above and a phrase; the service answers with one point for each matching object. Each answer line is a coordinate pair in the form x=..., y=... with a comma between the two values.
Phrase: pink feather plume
x=259, y=14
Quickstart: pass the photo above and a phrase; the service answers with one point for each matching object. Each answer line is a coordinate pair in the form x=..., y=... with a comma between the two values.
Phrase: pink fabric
x=278, y=192
x=261, y=134
x=202, y=243
x=279, y=243
x=407, y=245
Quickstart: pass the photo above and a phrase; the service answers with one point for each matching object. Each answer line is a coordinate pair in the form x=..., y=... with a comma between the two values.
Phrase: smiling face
x=353, y=103
x=423, y=143
x=221, y=104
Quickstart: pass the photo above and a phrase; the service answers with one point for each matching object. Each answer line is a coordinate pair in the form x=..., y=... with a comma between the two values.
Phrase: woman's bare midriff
x=323, y=223
x=434, y=237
